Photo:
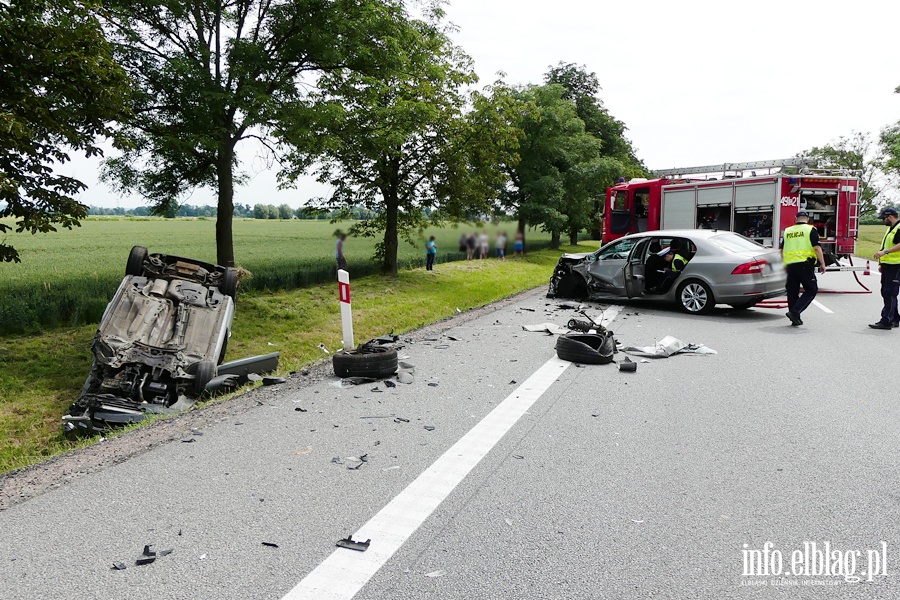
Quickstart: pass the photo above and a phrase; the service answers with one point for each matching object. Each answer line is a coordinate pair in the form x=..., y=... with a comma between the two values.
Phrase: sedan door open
x=634, y=269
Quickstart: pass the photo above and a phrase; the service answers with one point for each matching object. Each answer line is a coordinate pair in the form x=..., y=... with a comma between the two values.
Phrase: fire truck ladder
x=760, y=164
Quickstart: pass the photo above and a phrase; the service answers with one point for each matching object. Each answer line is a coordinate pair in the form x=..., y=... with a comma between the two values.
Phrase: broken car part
x=628, y=365
x=348, y=542
x=588, y=348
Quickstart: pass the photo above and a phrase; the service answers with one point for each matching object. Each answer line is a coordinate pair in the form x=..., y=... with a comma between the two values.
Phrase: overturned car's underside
x=159, y=342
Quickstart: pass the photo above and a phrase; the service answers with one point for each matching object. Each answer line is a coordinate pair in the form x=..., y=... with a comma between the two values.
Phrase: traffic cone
x=866, y=272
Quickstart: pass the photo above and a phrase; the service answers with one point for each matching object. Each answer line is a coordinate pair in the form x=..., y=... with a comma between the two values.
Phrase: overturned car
x=159, y=342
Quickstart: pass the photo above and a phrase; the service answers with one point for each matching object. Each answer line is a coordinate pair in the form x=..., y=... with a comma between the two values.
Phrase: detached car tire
x=372, y=362
x=586, y=348
x=135, y=264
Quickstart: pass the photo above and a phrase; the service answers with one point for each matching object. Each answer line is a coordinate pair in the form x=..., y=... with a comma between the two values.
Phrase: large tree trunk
x=224, y=238
x=573, y=236
x=391, y=243
x=554, y=240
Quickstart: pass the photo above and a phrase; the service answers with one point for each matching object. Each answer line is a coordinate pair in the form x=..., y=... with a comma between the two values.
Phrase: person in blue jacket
x=430, y=253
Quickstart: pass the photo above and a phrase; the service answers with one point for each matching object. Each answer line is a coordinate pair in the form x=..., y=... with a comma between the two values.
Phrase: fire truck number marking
x=788, y=201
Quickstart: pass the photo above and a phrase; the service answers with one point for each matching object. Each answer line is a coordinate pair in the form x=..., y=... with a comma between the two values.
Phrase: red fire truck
x=738, y=197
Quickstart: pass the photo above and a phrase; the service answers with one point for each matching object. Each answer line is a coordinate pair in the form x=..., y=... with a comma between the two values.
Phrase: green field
x=66, y=278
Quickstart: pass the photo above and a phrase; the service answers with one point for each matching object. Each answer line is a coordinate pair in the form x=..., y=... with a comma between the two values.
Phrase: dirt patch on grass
x=22, y=484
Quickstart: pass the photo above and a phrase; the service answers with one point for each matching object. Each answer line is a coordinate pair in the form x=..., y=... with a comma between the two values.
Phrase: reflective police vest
x=674, y=267
x=894, y=257
x=797, y=245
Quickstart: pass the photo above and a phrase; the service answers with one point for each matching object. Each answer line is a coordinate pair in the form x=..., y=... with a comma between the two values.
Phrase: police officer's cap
x=887, y=212
x=802, y=213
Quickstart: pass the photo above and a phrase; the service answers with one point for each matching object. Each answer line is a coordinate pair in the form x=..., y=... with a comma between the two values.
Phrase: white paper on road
x=666, y=347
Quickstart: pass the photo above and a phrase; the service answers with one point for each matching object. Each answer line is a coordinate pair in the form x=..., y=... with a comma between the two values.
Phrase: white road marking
x=823, y=307
x=345, y=572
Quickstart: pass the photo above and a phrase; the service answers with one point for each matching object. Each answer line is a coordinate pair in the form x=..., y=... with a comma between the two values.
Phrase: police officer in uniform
x=801, y=253
x=889, y=265
x=675, y=264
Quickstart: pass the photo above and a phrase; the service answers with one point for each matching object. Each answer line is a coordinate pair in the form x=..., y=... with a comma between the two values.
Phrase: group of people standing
x=802, y=253
x=471, y=244
x=467, y=244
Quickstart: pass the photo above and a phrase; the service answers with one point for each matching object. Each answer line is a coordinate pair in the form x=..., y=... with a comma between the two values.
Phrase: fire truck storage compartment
x=678, y=209
x=754, y=209
x=822, y=208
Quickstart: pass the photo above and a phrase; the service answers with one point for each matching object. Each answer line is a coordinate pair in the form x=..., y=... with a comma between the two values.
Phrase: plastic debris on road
x=350, y=544
x=666, y=347
x=546, y=328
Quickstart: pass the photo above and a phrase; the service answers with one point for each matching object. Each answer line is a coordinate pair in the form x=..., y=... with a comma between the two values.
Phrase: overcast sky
x=695, y=82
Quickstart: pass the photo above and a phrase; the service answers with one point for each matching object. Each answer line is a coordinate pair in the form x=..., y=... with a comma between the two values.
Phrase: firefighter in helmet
x=801, y=252
x=889, y=265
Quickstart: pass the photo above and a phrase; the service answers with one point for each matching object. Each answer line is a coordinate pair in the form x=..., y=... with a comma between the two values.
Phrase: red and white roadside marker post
x=346, y=316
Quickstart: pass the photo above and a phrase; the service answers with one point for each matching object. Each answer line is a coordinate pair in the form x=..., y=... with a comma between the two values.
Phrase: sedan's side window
x=617, y=251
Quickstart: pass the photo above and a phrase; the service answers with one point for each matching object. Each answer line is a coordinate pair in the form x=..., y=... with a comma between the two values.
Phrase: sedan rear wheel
x=695, y=297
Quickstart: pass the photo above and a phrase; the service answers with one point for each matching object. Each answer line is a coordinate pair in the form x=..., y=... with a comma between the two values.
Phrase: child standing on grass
x=430, y=253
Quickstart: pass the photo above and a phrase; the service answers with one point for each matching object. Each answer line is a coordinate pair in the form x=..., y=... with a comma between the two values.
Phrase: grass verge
x=41, y=374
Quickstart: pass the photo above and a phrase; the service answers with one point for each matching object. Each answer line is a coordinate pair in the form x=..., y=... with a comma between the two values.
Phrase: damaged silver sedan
x=712, y=267
x=159, y=342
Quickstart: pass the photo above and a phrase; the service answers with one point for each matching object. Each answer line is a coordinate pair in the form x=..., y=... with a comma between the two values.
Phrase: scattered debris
x=166, y=552
x=546, y=328
x=401, y=420
x=668, y=346
x=519, y=456
x=404, y=377
x=389, y=383
x=438, y=573
x=270, y=544
x=432, y=384
x=627, y=365
x=188, y=440
x=299, y=409
x=527, y=308
x=391, y=468
x=324, y=349
x=337, y=460
x=429, y=428
x=508, y=522
x=273, y=380
x=358, y=462
x=513, y=382
x=119, y=566
x=147, y=556
x=350, y=544
x=453, y=339
x=298, y=452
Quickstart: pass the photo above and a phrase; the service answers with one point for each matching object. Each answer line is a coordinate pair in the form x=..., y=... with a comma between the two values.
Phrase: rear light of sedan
x=750, y=268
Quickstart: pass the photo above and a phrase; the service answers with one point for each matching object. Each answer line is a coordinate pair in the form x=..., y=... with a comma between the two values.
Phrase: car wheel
x=230, y=283
x=695, y=297
x=375, y=362
x=206, y=370
x=587, y=348
x=572, y=286
x=135, y=264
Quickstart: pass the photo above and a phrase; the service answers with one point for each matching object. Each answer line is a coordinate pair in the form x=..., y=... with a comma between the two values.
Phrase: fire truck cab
x=734, y=197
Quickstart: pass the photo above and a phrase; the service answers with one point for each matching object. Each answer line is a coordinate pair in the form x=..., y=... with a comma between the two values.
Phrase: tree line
x=241, y=211
x=373, y=100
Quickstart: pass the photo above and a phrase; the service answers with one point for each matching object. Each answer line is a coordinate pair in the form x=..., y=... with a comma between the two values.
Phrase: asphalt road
x=666, y=483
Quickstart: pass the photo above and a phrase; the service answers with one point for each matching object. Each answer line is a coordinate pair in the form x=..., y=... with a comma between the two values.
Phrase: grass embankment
x=41, y=374
x=869, y=240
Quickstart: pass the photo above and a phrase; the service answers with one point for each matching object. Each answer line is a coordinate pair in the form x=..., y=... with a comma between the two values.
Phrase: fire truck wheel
x=695, y=297
x=571, y=286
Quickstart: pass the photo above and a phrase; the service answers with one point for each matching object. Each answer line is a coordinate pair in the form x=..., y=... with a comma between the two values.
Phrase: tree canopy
x=213, y=73
x=59, y=87
x=406, y=139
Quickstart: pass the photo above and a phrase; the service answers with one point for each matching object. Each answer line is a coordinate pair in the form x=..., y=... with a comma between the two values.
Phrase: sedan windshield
x=735, y=243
